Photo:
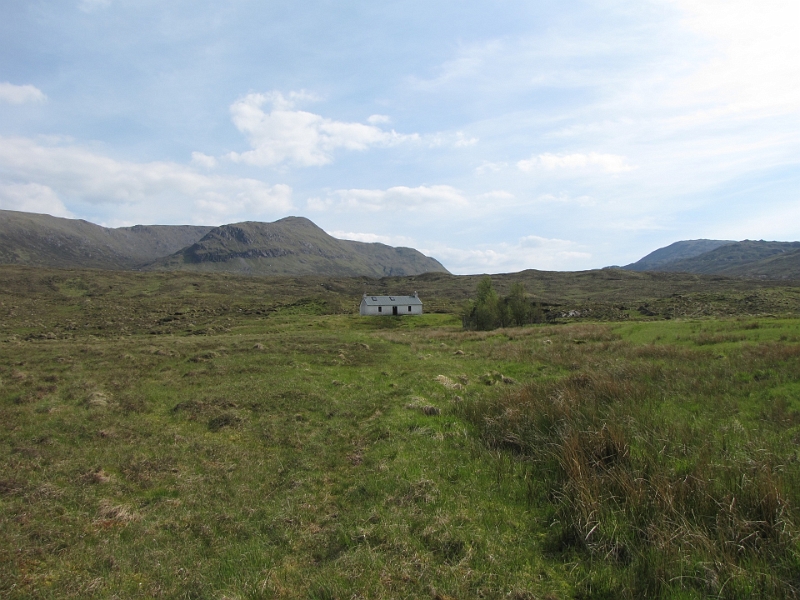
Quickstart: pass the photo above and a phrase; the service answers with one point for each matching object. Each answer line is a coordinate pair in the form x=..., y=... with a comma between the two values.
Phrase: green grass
x=196, y=466
x=207, y=437
x=668, y=461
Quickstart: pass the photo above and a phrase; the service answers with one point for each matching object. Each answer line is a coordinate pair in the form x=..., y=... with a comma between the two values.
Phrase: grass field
x=206, y=437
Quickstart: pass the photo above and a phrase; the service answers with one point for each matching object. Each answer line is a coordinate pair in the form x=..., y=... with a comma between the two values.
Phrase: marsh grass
x=670, y=471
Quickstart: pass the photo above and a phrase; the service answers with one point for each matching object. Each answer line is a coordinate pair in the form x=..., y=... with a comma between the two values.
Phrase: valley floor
x=199, y=447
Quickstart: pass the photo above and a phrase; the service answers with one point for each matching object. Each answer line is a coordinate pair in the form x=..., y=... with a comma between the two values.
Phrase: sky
x=494, y=136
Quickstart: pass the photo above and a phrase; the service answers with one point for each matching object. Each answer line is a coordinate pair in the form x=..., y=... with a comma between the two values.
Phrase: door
x=394, y=310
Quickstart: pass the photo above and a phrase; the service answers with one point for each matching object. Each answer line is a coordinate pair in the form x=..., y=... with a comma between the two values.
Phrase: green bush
x=490, y=311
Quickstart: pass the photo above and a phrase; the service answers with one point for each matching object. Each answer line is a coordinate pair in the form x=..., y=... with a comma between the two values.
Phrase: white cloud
x=410, y=203
x=32, y=197
x=490, y=167
x=80, y=176
x=457, y=139
x=610, y=163
x=285, y=135
x=19, y=94
x=203, y=160
x=755, y=65
x=378, y=119
x=529, y=252
x=318, y=204
x=399, y=198
x=462, y=141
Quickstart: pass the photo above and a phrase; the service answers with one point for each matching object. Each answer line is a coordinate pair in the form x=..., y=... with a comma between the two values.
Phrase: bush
x=490, y=311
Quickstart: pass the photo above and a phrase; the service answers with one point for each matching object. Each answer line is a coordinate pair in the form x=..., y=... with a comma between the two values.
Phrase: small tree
x=489, y=311
x=519, y=307
x=504, y=316
x=486, y=293
x=484, y=313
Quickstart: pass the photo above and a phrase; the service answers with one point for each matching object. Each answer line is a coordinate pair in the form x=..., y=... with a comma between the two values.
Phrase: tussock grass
x=655, y=484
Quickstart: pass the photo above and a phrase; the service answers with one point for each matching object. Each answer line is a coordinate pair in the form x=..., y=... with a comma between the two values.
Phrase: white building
x=391, y=305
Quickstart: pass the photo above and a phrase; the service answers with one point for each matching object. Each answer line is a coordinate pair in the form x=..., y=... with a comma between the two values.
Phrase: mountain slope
x=782, y=266
x=42, y=240
x=293, y=246
x=659, y=259
x=747, y=258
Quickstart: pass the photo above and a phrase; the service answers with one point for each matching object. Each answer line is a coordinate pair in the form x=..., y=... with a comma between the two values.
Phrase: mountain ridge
x=43, y=240
x=681, y=250
x=256, y=248
x=289, y=246
x=747, y=258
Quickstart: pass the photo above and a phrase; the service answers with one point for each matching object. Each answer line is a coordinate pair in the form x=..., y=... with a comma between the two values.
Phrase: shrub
x=490, y=311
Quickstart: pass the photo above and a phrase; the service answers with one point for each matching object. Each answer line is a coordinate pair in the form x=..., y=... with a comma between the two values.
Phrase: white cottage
x=391, y=305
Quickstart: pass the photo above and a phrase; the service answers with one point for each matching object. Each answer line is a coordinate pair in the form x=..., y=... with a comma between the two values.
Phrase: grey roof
x=390, y=300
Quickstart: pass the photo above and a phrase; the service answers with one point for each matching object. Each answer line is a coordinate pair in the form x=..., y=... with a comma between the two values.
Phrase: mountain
x=751, y=258
x=290, y=246
x=782, y=266
x=675, y=252
x=748, y=258
x=45, y=241
x=293, y=246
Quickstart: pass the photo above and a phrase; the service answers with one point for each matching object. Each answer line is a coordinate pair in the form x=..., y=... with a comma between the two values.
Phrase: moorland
x=204, y=435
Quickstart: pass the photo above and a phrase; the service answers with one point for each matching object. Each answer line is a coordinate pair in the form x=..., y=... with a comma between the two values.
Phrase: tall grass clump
x=650, y=495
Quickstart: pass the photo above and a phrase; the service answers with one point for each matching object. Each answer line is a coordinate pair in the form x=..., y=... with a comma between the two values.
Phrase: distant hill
x=45, y=241
x=291, y=246
x=675, y=252
x=781, y=266
x=752, y=258
x=770, y=260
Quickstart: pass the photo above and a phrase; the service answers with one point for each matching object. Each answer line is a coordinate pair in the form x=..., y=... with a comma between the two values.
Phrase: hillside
x=785, y=265
x=749, y=258
x=675, y=252
x=45, y=241
x=293, y=246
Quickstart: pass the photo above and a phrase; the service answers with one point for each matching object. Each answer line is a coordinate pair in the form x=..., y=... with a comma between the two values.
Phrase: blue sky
x=494, y=136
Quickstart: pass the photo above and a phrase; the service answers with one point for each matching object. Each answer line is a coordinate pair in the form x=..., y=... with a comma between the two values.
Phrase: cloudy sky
x=495, y=136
